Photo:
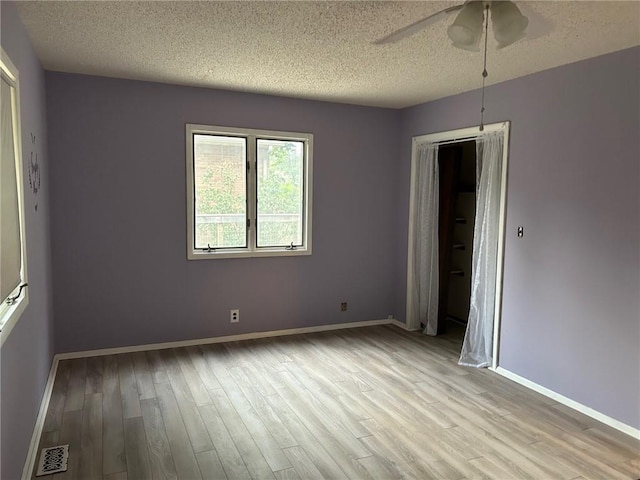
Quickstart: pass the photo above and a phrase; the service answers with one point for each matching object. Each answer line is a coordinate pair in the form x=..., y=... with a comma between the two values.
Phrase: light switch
x=520, y=232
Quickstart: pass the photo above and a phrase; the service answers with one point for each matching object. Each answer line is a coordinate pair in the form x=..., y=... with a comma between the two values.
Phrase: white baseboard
x=403, y=325
x=37, y=431
x=32, y=454
x=398, y=323
x=590, y=412
x=227, y=338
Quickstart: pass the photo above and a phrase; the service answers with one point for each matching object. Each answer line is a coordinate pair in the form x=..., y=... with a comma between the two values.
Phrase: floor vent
x=53, y=460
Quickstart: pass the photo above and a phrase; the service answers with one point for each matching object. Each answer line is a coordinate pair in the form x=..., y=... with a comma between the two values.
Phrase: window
x=248, y=192
x=13, y=262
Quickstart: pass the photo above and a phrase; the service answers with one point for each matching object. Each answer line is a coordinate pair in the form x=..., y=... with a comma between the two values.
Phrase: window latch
x=209, y=248
x=291, y=247
x=12, y=300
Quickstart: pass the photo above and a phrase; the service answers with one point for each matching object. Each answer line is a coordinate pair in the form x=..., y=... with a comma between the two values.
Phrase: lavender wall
x=27, y=352
x=119, y=216
x=571, y=317
x=570, y=309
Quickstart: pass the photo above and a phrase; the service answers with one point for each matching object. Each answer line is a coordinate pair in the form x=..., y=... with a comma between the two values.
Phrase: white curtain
x=477, y=348
x=423, y=264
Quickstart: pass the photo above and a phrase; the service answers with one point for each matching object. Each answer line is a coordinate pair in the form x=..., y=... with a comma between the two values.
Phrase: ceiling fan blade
x=417, y=26
x=539, y=26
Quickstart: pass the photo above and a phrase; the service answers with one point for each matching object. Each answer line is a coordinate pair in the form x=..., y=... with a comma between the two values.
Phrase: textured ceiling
x=319, y=50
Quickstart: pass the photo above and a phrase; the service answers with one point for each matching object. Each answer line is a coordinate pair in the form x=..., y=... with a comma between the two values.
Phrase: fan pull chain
x=484, y=71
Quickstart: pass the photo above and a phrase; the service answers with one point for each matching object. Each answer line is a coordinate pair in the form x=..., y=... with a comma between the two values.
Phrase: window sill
x=245, y=253
x=9, y=316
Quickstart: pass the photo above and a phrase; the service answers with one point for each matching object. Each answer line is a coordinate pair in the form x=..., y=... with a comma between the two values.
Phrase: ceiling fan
x=465, y=32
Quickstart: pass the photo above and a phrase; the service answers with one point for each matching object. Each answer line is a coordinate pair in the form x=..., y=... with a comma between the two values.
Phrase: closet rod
x=453, y=140
x=456, y=140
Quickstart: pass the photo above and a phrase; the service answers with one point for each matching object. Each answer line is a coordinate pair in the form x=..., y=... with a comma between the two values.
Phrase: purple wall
x=570, y=309
x=571, y=317
x=27, y=352
x=119, y=216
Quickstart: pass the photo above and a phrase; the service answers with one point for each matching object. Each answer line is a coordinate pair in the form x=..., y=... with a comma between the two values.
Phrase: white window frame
x=11, y=313
x=251, y=136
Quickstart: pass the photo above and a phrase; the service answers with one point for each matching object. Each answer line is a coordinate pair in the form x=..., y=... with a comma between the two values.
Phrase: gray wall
x=119, y=216
x=571, y=319
x=27, y=352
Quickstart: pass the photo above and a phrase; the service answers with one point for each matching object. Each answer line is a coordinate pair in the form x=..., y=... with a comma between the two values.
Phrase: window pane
x=280, y=167
x=220, y=183
x=10, y=245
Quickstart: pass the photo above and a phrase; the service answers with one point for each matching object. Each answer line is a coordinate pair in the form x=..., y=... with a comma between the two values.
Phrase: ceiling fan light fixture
x=508, y=23
x=466, y=30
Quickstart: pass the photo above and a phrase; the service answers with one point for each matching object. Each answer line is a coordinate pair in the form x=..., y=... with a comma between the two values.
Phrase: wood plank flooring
x=364, y=403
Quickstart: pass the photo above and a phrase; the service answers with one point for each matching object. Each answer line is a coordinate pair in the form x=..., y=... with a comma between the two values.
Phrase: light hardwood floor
x=374, y=402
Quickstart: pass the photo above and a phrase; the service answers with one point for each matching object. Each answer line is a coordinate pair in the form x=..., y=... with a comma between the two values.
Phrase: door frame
x=458, y=136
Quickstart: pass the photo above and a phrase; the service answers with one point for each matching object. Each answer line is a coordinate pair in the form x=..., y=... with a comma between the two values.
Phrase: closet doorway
x=456, y=236
x=457, y=206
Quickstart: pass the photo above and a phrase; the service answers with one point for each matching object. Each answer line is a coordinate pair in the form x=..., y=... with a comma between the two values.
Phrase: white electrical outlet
x=235, y=315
